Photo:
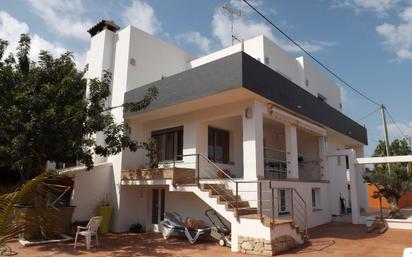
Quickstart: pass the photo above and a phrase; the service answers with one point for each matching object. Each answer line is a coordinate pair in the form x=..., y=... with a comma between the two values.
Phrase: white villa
x=249, y=131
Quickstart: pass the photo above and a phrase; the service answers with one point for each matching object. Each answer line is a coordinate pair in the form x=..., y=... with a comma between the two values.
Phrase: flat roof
x=240, y=70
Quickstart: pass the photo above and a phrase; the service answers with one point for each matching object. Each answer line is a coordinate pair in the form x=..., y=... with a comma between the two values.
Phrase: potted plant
x=105, y=210
x=151, y=153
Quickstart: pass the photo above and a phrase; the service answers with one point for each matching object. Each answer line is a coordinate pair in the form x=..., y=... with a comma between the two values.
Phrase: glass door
x=284, y=201
x=158, y=208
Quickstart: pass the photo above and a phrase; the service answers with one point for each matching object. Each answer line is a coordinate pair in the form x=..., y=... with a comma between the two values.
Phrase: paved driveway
x=330, y=240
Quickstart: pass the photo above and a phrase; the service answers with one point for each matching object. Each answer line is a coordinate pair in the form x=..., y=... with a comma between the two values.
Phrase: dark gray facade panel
x=208, y=79
x=241, y=70
x=263, y=81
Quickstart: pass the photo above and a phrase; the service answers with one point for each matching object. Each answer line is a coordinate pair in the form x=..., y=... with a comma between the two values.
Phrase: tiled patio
x=331, y=240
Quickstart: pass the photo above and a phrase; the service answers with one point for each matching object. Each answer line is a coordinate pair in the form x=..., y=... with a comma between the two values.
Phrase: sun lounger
x=193, y=234
x=173, y=223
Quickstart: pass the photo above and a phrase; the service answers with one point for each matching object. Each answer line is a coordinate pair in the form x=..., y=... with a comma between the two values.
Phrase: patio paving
x=330, y=240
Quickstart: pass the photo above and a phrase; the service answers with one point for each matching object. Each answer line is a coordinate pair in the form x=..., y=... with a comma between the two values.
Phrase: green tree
x=46, y=114
x=391, y=185
x=397, y=147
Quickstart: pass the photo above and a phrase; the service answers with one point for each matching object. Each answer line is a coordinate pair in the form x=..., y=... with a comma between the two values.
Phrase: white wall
x=319, y=83
x=90, y=188
x=281, y=61
x=338, y=182
x=135, y=208
x=321, y=214
x=154, y=59
x=187, y=204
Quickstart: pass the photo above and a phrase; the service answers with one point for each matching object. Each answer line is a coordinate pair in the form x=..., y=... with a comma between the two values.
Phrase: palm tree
x=36, y=193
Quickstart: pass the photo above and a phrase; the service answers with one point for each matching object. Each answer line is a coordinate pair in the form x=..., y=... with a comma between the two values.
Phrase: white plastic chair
x=407, y=252
x=89, y=231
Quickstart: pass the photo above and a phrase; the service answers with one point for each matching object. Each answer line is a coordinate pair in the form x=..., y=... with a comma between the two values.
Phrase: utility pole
x=227, y=8
x=385, y=131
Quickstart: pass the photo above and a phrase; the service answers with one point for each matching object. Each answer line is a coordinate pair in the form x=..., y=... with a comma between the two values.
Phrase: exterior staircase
x=227, y=198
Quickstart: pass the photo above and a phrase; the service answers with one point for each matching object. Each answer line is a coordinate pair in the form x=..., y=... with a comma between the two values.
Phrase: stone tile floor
x=330, y=240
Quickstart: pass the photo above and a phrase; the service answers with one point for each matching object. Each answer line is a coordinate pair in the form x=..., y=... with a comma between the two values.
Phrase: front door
x=158, y=208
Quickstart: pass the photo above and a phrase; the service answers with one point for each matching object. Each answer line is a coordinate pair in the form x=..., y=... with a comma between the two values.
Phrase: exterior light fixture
x=248, y=113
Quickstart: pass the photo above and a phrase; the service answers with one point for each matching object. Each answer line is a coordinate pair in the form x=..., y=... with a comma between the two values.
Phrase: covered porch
x=246, y=139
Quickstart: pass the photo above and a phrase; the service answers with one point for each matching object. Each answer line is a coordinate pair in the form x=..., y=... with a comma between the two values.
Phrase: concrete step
x=240, y=204
x=244, y=211
x=217, y=189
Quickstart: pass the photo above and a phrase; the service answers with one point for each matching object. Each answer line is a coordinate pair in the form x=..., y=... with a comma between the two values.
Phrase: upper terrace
x=136, y=58
x=298, y=70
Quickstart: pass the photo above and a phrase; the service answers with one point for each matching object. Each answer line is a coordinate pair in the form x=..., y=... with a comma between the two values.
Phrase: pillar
x=252, y=121
x=291, y=139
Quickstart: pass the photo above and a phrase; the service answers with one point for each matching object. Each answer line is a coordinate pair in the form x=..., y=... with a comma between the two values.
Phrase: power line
x=368, y=115
x=311, y=56
x=396, y=124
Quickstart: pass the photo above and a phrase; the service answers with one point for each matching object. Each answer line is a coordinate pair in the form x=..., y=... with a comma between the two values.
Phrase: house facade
x=249, y=131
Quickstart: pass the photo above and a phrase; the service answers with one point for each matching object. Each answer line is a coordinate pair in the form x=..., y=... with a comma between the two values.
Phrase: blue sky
x=367, y=42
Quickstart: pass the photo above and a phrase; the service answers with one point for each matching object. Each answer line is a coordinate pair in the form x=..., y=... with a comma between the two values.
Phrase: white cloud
x=243, y=28
x=10, y=30
x=63, y=17
x=246, y=28
x=194, y=37
x=394, y=132
x=80, y=59
x=315, y=46
x=141, y=15
x=378, y=6
x=38, y=44
x=399, y=37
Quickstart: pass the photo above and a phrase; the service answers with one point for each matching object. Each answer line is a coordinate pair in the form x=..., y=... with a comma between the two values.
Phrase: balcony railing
x=275, y=163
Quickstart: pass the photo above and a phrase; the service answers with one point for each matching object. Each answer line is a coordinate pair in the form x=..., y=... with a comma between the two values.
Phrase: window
x=316, y=198
x=169, y=143
x=218, y=145
x=322, y=98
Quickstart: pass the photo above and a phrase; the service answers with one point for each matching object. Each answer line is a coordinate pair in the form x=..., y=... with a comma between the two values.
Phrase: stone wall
x=265, y=247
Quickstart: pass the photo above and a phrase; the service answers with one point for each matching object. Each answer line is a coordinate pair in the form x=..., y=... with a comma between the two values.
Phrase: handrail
x=305, y=210
x=209, y=161
x=263, y=186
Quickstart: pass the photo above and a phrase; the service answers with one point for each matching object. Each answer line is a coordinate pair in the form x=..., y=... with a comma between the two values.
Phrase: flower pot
x=106, y=213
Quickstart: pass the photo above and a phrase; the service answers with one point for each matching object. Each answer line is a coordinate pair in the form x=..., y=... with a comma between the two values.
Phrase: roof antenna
x=232, y=11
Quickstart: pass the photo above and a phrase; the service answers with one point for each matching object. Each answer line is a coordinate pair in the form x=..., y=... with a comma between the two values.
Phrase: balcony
x=178, y=176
